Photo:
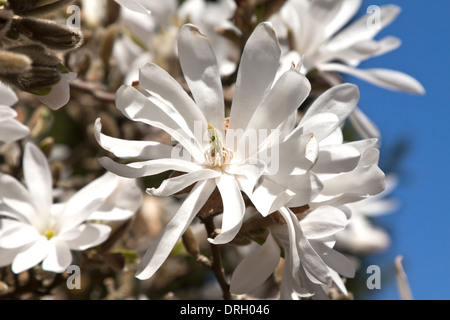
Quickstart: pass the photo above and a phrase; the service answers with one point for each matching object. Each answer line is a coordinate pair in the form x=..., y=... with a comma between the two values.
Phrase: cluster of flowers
x=255, y=110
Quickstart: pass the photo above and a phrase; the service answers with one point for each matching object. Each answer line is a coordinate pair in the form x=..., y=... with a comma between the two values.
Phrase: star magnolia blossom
x=10, y=128
x=215, y=161
x=37, y=230
x=318, y=36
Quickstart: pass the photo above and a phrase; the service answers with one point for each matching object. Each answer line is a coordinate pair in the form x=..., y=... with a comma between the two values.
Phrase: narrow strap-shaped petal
x=257, y=70
x=8, y=96
x=334, y=259
x=385, y=78
x=323, y=222
x=137, y=107
x=361, y=30
x=131, y=149
x=148, y=168
x=256, y=267
x=340, y=100
x=337, y=158
x=364, y=126
x=173, y=185
x=287, y=94
x=169, y=236
x=347, y=10
x=201, y=71
x=233, y=209
x=38, y=178
x=310, y=259
x=159, y=83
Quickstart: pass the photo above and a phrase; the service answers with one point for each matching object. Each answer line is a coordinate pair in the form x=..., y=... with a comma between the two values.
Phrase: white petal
x=258, y=66
x=323, y=222
x=161, y=84
x=38, y=178
x=7, y=256
x=174, y=185
x=347, y=10
x=169, y=236
x=137, y=107
x=287, y=94
x=336, y=159
x=201, y=71
x=8, y=95
x=31, y=256
x=17, y=197
x=12, y=130
x=147, y=168
x=16, y=234
x=131, y=149
x=389, y=79
x=268, y=196
x=363, y=125
x=360, y=30
x=368, y=180
x=340, y=100
x=59, y=96
x=58, y=258
x=92, y=234
x=233, y=209
x=134, y=5
x=256, y=267
x=335, y=260
x=305, y=187
x=321, y=125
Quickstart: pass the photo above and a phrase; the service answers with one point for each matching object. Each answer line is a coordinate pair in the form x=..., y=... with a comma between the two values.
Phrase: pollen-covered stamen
x=217, y=154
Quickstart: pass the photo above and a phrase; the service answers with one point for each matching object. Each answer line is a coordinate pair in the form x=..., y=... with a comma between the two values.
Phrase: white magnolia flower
x=37, y=230
x=210, y=158
x=59, y=95
x=10, y=128
x=319, y=36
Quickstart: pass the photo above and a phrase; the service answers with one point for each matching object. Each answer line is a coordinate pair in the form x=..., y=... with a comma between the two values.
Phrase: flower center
x=49, y=234
x=217, y=154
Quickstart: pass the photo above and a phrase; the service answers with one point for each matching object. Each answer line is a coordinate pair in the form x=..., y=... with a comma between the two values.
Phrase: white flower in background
x=208, y=17
x=317, y=33
x=140, y=23
x=35, y=230
x=318, y=36
x=210, y=158
x=346, y=172
x=361, y=236
x=59, y=94
x=10, y=128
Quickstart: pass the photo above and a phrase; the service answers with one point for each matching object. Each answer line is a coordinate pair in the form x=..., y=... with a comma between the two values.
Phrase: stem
x=216, y=266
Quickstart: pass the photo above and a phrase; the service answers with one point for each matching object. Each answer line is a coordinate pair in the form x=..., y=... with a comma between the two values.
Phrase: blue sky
x=420, y=229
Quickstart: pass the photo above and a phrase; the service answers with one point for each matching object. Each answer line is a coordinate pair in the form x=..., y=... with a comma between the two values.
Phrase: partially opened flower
x=238, y=157
x=37, y=230
x=10, y=128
